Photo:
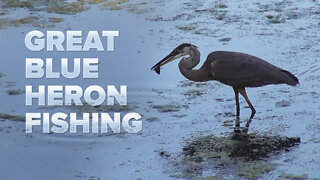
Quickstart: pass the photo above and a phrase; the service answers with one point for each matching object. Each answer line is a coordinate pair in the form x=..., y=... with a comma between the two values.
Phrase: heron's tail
x=289, y=78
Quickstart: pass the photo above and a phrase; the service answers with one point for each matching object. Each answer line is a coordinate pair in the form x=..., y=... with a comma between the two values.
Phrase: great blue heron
x=235, y=69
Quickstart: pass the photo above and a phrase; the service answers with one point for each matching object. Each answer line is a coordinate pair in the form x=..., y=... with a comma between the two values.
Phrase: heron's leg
x=242, y=91
x=236, y=92
x=244, y=94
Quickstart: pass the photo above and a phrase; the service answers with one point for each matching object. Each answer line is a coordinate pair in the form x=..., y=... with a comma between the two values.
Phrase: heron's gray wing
x=242, y=70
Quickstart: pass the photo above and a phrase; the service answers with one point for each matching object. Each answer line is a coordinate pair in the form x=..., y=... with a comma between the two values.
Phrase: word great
x=37, y=41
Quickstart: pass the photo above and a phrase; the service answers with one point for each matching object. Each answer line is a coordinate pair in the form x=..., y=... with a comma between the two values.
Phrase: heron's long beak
x=166, y=60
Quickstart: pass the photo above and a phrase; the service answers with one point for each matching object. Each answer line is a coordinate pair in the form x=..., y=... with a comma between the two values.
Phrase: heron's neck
x=186, y=66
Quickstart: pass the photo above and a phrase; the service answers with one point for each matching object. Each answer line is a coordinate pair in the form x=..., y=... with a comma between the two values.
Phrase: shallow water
x=144, y=40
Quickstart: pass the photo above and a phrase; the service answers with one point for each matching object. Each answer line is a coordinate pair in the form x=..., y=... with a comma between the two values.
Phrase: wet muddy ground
x=187, y=126
x=247, y=154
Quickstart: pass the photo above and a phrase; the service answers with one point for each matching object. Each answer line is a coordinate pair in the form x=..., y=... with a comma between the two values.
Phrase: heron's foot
x=239, y=129
x=237, y=122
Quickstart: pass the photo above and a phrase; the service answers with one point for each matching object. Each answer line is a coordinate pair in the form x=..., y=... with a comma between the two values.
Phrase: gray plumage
x=244, y=70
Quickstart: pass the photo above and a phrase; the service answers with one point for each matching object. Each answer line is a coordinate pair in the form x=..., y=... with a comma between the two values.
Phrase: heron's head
x=178, y=52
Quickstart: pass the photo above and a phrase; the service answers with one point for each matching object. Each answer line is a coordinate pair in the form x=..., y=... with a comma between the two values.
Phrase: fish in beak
x=172, y=56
